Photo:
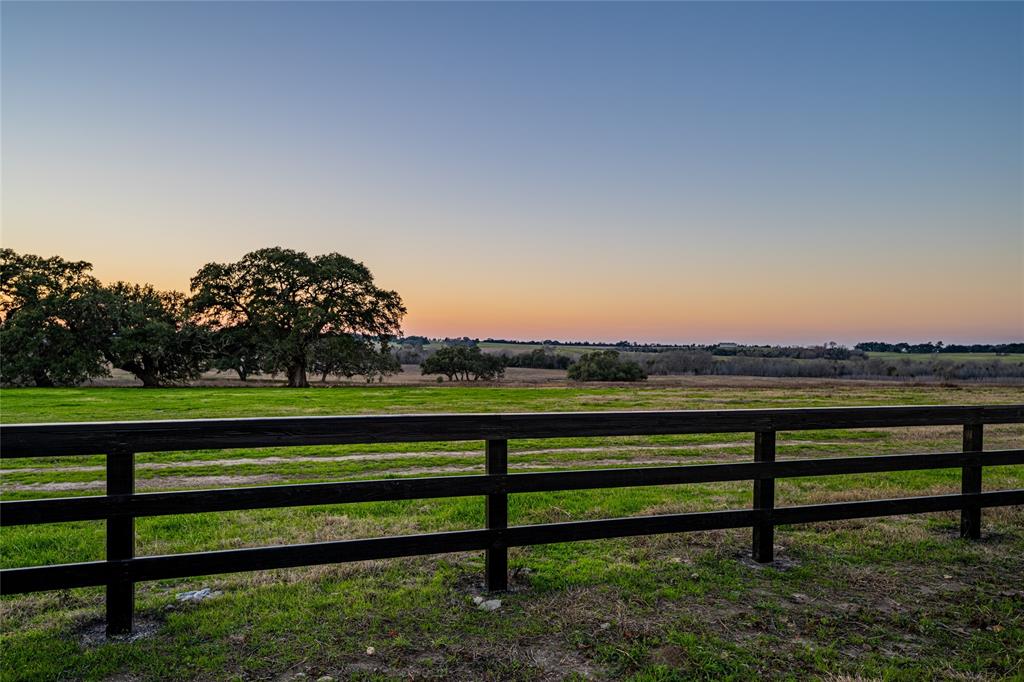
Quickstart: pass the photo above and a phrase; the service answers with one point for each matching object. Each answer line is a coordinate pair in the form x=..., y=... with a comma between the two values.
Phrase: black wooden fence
x=122, y=505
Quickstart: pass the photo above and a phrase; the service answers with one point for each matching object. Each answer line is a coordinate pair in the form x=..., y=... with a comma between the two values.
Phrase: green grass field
x=525, y=347
x=516, y=348
x=951, y=357
x=899, y=598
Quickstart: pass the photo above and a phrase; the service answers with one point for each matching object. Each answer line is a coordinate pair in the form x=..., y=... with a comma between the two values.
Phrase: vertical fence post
x=764, y=499
x=970, y=482
x=496, y=562
x=120, y=544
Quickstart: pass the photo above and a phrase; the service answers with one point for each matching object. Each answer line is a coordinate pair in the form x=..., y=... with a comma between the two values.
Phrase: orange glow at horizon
x=760, y=306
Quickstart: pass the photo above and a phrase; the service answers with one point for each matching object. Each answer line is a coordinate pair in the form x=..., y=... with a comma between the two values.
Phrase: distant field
x=512, y=348
x=953, y=357
x=897, y=598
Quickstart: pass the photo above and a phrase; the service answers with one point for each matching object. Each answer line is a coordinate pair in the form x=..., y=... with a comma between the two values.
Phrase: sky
x=693, y=172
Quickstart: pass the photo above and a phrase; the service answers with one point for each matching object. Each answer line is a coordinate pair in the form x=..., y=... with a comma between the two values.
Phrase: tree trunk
x=41, y=379
x=149, y=379
x=241, y=373
x=297, y=376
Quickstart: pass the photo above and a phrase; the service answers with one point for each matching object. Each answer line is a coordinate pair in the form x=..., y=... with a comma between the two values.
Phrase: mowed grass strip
x=888, y=598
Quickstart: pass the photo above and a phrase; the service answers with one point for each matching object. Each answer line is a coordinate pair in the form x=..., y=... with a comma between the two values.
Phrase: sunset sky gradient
x=797, y=172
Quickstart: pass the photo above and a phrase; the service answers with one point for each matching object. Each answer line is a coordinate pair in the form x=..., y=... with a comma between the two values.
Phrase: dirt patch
x=780, y=562
x=545, y=660
x=554, y=661
x=182, y=482
x=215, y=481
x=388, y=456
x=93, y=633
x=55, y=487
x=164, y=483
x=670, y=655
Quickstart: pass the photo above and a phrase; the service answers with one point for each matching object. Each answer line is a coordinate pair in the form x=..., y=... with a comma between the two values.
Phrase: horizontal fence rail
x=30, y=440
x=120, y=441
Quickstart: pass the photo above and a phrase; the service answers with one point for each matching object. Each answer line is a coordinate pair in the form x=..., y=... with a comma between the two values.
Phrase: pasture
x=951, y=357
x=513, y=348
x=576, y=351
x=896, y=598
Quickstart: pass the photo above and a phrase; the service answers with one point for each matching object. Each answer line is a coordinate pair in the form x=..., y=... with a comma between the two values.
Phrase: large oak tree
x=60, y=326
x=50, y=332
x=291, y=301
x=149, y=333
x=348, y=355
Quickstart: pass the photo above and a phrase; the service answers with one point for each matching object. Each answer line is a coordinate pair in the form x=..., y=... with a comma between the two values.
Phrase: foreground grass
x=899, y=598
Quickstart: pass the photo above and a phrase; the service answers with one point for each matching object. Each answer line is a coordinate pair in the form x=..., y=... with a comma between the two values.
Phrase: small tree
x=605, y=365
x=149, y=334
x=238, y=349
x=443, y=361
x=49, y=328
x=377, y=364
x=348, y=356
x=410, y=354
x=292, y=301
x=539, y=358
x=465, y=363
x=487, y=367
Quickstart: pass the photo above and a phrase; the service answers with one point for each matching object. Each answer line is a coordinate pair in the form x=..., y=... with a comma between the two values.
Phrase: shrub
x=606, y=365
x=149, y=334
x=465, y=363
x=539, y=358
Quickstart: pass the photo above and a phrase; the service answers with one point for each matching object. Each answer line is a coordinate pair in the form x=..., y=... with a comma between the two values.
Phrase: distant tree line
x=828, y=351
x=939, y=347
x=620, y=345
x=274, y=311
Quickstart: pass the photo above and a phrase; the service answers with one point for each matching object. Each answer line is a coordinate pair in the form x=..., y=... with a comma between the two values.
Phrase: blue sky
x=667, y=172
